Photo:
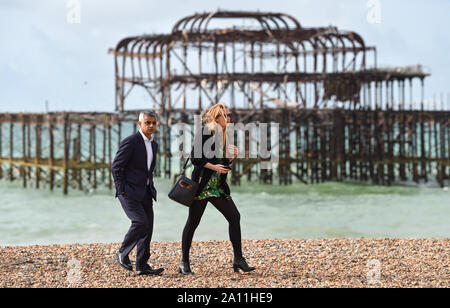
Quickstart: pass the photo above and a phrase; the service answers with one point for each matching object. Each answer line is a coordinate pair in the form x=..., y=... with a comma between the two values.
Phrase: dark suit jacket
x=129, y=168
x=201, y=174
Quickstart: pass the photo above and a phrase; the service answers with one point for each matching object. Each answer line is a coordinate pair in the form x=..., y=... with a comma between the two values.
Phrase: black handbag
x=184, y=189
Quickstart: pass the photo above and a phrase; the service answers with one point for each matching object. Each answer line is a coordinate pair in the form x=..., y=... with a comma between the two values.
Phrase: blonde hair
x=210, y=116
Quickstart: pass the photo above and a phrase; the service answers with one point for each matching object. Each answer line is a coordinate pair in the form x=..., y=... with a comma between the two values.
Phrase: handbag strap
x=184, y=167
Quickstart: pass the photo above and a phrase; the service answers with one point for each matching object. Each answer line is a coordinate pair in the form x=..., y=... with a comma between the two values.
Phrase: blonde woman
x=211, y=174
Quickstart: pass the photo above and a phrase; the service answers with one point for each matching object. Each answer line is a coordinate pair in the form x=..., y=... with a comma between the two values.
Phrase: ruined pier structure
x=340, y=116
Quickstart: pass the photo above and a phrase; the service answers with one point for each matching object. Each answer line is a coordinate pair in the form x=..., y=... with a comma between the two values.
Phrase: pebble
x=280, y=263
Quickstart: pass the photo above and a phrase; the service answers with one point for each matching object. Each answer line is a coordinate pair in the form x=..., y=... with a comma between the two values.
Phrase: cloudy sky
x=46, y=58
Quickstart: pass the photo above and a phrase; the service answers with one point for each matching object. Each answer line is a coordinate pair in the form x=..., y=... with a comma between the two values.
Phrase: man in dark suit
x=132, y=170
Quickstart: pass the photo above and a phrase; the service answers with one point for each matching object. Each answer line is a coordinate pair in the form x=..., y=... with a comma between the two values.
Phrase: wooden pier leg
x=11, y=150
x=415, y=150
x=37, y=158
x=423, y=168
x=119, y=132
x=390, y=123
x=339, y=136
x=440, y=156
x=351, y=145
x=323, y=153
x=448, y=151
x=23, y=156
x=315, y=157
x=103, y=171
x=23, y=170
x=308, y=150
x=109, y=155
x=1, y=149
x=360, y=125
x=168, y=154
x=247, y=154
x=66, y=145
x=77, y=157
x=284, y=146
x=52, y=153
x=345, y=145
x=94, y=155
x=379, y=163
x=266, y=175
x=369, y=137
x=29, y=171
x=333, y=148
x=269, y=172
x=298, y=153
x=402, y=145
x=429, y=131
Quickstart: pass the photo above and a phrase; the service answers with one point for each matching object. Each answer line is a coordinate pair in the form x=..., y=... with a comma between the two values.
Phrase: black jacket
x=201, y=174
x=129, y=168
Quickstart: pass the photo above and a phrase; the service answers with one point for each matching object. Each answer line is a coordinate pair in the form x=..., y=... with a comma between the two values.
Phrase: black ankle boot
x=185, y=268
x=240, y=263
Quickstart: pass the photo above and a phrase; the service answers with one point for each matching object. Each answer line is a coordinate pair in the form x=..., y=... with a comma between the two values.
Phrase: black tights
x=228, y=209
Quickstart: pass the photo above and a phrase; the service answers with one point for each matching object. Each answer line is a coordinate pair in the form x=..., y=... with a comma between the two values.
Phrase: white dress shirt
x=148, y=147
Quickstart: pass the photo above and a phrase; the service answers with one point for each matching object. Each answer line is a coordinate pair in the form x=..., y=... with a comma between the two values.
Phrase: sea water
x=328, y=210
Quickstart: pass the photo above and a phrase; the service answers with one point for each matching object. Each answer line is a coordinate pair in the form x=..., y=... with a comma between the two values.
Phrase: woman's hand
x=218, y=168
x=221, y=169
x=232, y=150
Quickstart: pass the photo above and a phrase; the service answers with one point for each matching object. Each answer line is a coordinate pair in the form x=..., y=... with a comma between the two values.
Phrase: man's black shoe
x=150, y=271
x=124, y=262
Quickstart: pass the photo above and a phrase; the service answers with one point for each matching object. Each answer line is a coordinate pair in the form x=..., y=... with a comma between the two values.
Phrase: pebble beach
x=290, y=263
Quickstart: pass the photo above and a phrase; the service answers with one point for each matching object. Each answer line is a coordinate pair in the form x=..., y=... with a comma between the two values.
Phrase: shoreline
x=280, y=263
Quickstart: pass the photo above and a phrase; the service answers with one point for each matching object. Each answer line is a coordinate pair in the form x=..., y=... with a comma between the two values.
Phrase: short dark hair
x=147, y=114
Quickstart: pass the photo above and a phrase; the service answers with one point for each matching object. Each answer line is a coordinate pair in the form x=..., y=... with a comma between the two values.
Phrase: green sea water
x=329, y=210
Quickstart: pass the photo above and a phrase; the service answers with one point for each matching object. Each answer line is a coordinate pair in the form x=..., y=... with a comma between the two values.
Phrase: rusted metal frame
x=341, y=50
x=316, y=96
x=147, y=60
x=233, y=35
x=216, y=68
x=261, y=69
x=284, y=88
x=185, y=44
x=297, y=70
x=218, y=14
x=303, y=96
x=324, y=50
x=202, y=17
x=350, y=36
x=142, y=43
x=274, y=78
x=244, y=91
x=305, y=65
x=159, y=48
x=120, y=81
x=169, y=92
x=199, y=71
x=354, y=37
x=162, y=84
x=192, y=75
x=132, y=57
x=215, y=82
